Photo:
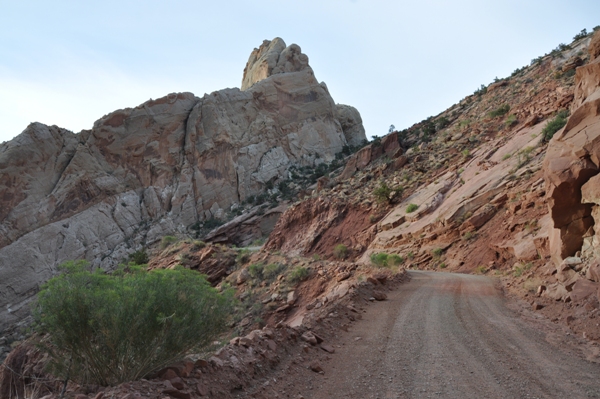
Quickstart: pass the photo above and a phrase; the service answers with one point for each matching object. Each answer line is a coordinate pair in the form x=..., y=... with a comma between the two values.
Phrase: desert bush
x=441, y=123
x=555, y=125
x=468, y=235
x=411, y=208
x=480, y=269
x=518, y=270
x=379, y=259
x=197, y=244
x=212, y=223
x=510, y=121
x=272, y=270
x=298, y=274
x=256, y=270
x=500, y=111
x=581, y=35
x=109, y=328
x=166, y=241
x=437, y=252
x=340, y=251
x=243, y=256
x=139, y=257
x=481, y=91
x=382, y=193
x=395, y=259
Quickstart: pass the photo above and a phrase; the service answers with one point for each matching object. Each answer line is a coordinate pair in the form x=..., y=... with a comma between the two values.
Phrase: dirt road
x=451, y=336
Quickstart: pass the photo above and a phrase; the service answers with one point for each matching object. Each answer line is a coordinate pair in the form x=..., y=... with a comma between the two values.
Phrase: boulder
x=309, y=337
x=242, y=277
x=557, y=292
x=583, y=289
x=482, y=216
x=391, y=145
x=593, y=272
x=316, y=366
x=352, y=125
x=568, y=278
x=400, y=162
x=379, y=296
x=328, y=348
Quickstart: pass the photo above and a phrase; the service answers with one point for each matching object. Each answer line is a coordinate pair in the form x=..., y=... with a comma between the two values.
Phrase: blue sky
x=69, y=63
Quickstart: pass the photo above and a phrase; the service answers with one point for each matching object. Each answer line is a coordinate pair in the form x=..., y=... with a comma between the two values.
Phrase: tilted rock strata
x=155, y=169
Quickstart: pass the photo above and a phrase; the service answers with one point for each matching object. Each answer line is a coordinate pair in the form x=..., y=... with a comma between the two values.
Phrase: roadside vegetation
x=106, y=329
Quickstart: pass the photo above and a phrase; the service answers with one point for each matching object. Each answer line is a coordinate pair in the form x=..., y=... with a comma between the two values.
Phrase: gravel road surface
x=449, y=335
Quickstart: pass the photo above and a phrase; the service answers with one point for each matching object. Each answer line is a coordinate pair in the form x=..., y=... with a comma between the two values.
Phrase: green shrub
x=395, y=260
x=109, y=328
x=411, y=208
x=580, y=35
x=298, y=274
x=410, y=255
x=481, y=91
x=510, y=121
x=340, y=251
x=468, y=235
x=212, y=223
x=480, y=269
x=272, y=270
x=256, y=270
x=500, y=111
x=139, y=257
x=379, y=259
x=555, y=125
x=243, y=256
x=166, y=241
x=382, y=193
x=437, y=252
x=197, y=244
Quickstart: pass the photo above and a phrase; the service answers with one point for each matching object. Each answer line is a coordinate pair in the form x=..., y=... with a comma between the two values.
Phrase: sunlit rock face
x=158, y=168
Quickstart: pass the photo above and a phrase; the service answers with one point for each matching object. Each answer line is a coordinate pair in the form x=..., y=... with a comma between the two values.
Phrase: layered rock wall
x=572, y=159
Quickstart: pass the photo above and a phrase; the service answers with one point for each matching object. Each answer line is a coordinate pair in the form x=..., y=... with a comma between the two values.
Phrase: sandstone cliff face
x=156, y=169
x=573, y=158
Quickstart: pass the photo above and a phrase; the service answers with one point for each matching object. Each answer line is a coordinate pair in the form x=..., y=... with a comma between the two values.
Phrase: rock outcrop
x=352, y=124
x=572, y=161
x=157, y=169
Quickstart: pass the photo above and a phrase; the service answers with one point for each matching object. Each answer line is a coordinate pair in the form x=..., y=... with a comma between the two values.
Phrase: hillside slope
x=481, y=188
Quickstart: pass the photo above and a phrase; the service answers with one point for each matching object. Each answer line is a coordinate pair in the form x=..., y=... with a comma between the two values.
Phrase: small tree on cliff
x=110, y=328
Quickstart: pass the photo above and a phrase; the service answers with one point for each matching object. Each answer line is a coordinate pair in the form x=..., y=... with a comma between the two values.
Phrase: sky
x=68, y=63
